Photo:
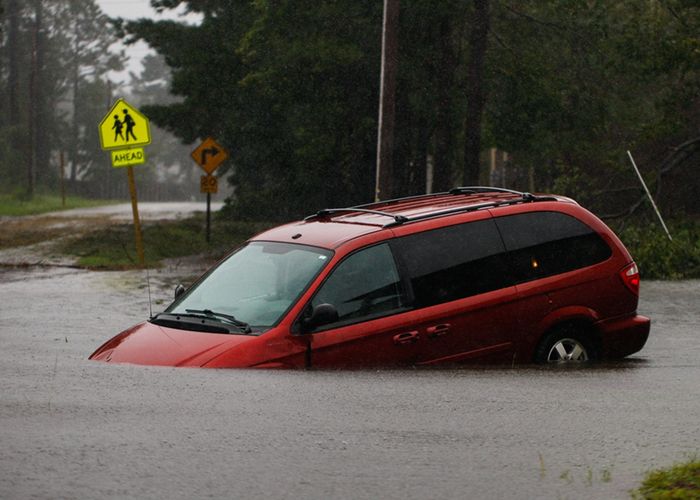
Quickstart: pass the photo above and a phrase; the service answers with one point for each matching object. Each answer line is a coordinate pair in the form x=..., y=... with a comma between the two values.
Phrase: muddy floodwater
x=72, y=428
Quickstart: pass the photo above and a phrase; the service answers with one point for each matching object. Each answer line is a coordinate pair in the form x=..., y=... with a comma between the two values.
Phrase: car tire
x=565, y=345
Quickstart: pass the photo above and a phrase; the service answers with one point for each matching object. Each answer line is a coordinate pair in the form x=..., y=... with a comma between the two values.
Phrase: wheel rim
x=567, y=351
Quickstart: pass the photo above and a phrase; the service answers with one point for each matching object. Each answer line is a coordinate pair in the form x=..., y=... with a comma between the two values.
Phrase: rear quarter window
x=542, y=244
x=454, y=262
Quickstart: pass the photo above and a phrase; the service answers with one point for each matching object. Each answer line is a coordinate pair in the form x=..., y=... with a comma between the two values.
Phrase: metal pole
x=63, y=181
x=387, y=97
x=135, y=211
x=646, y=189
x=208, y=217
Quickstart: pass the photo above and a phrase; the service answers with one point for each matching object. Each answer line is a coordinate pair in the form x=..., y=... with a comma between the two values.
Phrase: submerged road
x=71, y=428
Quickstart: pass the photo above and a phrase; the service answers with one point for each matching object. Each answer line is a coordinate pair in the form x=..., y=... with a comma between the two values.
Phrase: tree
x=88, y=36
x=475, y=92
x=291, y=89
x=168, y=159
x=56, y=52
x=573, y=87
x=286, y=87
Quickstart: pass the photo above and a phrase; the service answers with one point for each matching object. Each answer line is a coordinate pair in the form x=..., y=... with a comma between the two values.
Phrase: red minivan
x=474, y=275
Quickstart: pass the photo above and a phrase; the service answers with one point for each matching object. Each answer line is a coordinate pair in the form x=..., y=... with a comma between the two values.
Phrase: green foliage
x=657, y=256
x=680, y=482
x=17, y=204
x=575, y=85
x=291, y=89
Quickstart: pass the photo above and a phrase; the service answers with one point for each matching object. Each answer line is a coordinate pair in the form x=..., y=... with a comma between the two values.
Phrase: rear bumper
x=621, y=337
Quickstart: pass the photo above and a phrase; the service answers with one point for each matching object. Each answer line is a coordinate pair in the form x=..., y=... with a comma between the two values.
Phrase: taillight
x=630, y=277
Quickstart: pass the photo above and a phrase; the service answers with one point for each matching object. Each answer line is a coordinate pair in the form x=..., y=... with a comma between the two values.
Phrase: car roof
x=331, y=227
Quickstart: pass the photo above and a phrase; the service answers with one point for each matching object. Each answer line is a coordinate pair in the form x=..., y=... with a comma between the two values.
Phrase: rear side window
x=454, y=262
x=543, y=244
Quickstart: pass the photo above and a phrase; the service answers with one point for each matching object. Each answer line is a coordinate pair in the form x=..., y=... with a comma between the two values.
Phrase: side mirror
x=179, y=290
x=322, y=314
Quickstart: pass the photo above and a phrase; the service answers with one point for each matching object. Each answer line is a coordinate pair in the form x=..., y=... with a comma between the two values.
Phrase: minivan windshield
x=257, y=284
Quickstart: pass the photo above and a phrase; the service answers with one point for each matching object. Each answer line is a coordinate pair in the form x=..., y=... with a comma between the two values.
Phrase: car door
x=461, y=288
x=375, y=327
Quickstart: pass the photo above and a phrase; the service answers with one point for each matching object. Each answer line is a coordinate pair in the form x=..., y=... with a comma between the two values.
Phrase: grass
x=14, y=205
x=115, y=248
x=679, y=482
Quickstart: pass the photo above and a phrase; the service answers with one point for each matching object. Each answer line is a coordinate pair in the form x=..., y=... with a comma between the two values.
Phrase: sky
x=135, y=9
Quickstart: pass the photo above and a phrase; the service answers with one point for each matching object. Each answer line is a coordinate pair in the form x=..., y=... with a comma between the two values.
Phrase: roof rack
x=487, y=189
x=398, y=219
x=523, y=197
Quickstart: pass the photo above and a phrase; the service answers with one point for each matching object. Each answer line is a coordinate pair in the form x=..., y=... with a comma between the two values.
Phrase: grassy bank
x=14, y=205
x=680, y=482
x=115, y=248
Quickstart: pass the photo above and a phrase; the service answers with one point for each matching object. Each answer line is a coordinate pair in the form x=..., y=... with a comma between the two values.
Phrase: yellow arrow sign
x=209, y=155
x=124, y=126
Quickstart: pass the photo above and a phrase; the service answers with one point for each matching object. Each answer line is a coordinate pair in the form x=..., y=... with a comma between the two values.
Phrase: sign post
x=122, y=131
x=209, y=155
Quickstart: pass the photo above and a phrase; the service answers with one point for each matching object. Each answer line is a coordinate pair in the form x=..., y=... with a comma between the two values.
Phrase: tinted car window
x=363, y=286
x=454, y=262
x=543, y=244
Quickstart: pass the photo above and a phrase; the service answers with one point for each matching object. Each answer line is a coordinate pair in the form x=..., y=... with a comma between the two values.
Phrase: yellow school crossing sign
x=124, y=127
x=123, y=131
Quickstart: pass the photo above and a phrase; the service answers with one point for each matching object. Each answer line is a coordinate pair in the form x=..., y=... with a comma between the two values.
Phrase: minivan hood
x=149, y=344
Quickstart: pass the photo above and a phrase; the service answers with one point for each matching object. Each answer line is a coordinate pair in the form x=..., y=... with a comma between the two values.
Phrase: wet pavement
x=147, y=211
x=71, y=428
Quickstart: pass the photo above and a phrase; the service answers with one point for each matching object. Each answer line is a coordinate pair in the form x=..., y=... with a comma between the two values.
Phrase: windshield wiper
x=228, y=317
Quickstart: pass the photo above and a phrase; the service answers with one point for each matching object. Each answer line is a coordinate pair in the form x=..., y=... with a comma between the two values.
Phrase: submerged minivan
x=473, y=275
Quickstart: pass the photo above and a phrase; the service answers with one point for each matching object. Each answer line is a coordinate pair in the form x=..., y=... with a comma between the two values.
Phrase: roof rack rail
x=460, y=209
x=398, y=219
x=402, y=219
x=489, y=189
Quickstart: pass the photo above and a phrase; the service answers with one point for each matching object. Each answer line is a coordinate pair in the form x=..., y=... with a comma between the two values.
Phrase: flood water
x=71, y=428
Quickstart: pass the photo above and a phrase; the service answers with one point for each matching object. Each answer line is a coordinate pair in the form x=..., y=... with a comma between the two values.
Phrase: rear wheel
x=565, y=345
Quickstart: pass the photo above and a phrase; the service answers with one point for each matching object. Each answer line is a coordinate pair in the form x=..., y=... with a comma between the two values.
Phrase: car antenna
x=148, y=286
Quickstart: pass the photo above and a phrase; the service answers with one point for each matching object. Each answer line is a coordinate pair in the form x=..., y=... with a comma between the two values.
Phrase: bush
x=681, y=481
x=657, y=256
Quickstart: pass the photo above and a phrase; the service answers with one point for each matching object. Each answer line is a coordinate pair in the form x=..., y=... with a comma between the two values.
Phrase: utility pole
x=33, y=94
x=475, y=92
x=387, y=99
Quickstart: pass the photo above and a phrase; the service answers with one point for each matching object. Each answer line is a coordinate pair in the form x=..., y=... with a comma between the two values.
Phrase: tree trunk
x=41, y=111
x=475, y=92
x=387, y=107
x=442, y=168
x=74, y=126
x=31, y=115
x=13, y=64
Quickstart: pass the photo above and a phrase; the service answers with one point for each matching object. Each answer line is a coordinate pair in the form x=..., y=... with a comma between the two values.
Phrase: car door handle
x=438, y=330
x=406, y=338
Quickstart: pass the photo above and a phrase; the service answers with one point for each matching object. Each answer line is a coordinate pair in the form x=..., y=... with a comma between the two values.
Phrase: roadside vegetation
x=114, y=247
x=12, y=204
x=656, y=255
x=680, y=482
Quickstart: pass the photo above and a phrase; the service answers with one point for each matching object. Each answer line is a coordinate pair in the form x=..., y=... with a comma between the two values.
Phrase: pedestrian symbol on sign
x=124, y=127
x=129, y=121
x=117, y=128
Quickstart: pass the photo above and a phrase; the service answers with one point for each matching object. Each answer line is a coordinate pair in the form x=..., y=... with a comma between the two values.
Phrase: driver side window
x=365, y=285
